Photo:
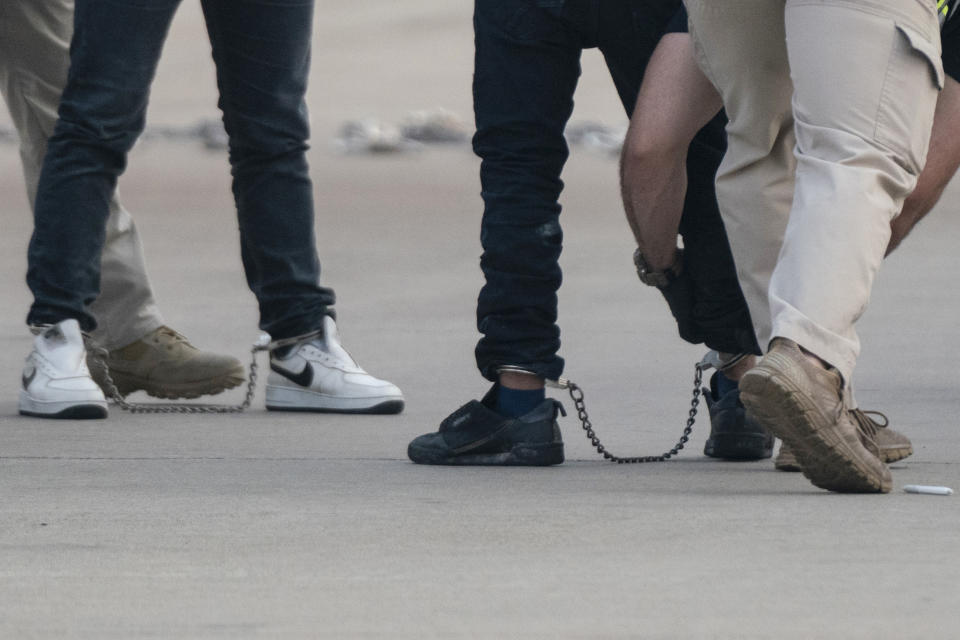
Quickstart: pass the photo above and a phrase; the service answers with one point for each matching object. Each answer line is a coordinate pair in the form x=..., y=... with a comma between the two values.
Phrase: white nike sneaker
x=56, y=381
x=319, y=375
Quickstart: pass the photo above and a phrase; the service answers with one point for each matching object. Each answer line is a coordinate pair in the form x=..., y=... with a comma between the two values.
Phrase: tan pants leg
x=866, y=74
x=740, y=45
x=34, y=58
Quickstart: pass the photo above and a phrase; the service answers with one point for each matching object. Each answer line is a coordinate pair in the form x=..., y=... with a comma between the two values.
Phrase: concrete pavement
x=269, y=525
x=291, y=525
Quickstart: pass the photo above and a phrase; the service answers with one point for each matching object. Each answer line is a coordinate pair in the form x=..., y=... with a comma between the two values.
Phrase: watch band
x=655, y=278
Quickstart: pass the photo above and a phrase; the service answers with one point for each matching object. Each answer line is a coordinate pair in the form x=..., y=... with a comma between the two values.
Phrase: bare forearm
x=943, y=159
x=654, y=203
x=675, y=101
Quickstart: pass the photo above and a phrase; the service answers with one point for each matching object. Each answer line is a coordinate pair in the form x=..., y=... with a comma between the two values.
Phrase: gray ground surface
x=292, y=525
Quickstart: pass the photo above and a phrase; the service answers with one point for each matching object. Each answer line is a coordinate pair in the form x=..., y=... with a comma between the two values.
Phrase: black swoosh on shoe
x=304, y=378
x=28, y=379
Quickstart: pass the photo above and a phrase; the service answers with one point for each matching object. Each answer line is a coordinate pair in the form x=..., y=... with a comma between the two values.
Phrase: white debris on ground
x=372, y=136
x=440, y=126
x=435, y=126
x=431, y=126
x=596, y=137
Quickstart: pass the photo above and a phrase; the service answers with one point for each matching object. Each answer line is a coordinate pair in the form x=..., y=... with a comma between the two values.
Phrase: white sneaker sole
x=287, y=399
x=93, y=409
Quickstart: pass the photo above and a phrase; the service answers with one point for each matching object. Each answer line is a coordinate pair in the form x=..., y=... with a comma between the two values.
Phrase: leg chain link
x=576, y=394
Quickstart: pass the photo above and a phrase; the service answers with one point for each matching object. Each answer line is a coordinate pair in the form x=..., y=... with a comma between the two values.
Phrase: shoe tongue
x=864, y=423
x=54, y=336
x=331, y=340
x=63, y=335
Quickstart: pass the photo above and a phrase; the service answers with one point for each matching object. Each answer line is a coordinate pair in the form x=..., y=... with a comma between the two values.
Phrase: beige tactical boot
x=893, y=445
x=802, y=404
x=165, y=365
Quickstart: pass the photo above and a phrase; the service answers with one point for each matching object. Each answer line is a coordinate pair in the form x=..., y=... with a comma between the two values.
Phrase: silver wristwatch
x=655, y=278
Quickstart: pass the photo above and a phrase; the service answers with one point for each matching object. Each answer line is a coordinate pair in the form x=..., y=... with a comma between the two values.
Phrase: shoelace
x=868, y=427
x=867, y=424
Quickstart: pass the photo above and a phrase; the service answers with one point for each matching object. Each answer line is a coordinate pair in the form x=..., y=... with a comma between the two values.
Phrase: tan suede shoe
x=165, y=365
x=802, y=404
x=893, y=445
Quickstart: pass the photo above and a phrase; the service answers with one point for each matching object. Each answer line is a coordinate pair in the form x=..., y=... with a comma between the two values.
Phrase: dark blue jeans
x=262, y=53
x=526, y=69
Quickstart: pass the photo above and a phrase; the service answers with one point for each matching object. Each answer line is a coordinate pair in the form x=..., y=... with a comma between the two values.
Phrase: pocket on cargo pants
x=869, y=68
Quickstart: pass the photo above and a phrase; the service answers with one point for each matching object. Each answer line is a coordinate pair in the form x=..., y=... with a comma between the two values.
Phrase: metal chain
x=576, y=394
x=113, y=394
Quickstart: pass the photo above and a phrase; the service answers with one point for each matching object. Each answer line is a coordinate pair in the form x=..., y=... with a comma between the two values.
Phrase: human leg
x=754, y=183
x=527, y=62
x=262, y=54
x=843, y=153
x=863, y=130
x=524, y=78
x=33, y=66
x=742, y=49
x=943, y=158
x=101, y=114
x=142, y=353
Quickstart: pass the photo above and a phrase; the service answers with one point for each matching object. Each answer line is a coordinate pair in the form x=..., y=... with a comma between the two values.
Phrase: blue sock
x=725, y=385
x=513, y=403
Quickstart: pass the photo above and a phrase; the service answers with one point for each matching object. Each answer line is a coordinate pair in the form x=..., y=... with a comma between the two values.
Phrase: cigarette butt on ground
x=928, y=489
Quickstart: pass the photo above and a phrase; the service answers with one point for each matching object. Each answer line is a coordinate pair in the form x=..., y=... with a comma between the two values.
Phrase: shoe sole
x=826, y=459
x=80, y=412
x=127, y=384
x=789, y=461
x=288, y=399
x=92, y=410
x=738, y=446
x=895, y=454
x=786, y=462
x=521, y=455
x=387, y=407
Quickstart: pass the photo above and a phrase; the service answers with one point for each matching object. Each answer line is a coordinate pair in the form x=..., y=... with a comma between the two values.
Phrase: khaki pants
x=34, y=44
x=831, y=104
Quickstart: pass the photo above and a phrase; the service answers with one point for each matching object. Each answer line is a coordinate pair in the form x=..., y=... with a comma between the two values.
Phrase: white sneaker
x=319, y=375
x=56, y=381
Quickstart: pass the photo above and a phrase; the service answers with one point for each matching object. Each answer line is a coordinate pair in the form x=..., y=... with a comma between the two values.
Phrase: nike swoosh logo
x=28, y=379
x=304, y=378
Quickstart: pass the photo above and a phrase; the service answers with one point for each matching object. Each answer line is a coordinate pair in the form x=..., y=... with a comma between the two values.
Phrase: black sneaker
x=732, y=435
x=475, y=434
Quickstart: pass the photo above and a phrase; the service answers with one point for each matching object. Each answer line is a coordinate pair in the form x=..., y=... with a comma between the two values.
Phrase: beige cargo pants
x=831, y=104
x=34, y=44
